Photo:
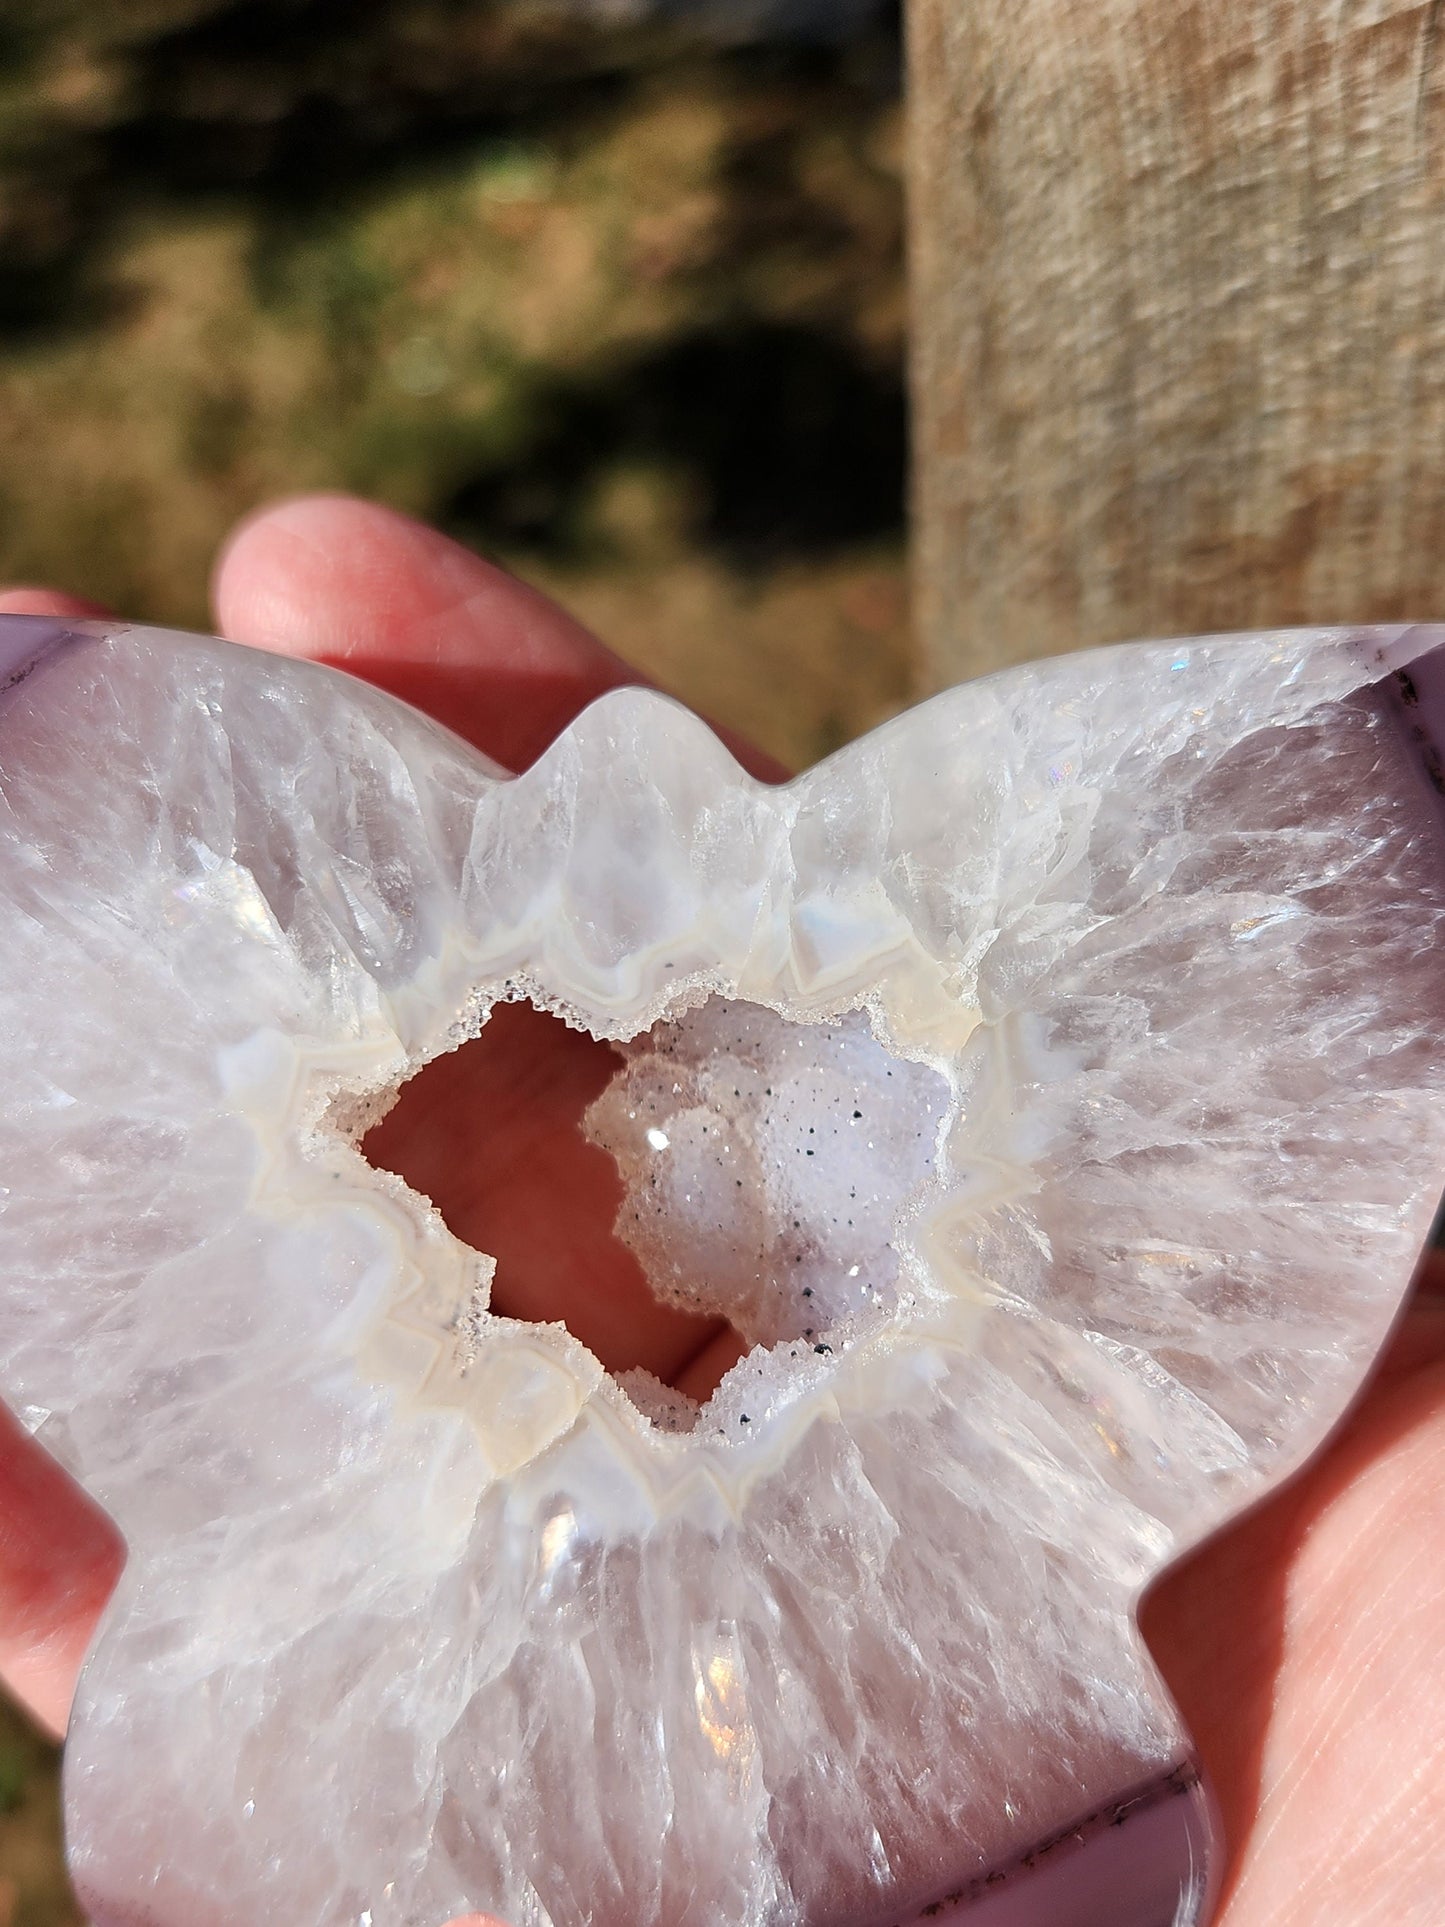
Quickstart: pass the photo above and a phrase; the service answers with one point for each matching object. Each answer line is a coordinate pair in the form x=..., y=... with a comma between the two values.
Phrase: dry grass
x=537, y=338
x=33, y=1890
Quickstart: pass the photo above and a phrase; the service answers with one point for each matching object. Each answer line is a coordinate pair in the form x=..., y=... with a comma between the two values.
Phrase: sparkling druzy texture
x=1127, y=963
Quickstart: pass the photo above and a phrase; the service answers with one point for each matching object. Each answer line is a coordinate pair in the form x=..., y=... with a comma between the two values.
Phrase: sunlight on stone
x=1046, y=1088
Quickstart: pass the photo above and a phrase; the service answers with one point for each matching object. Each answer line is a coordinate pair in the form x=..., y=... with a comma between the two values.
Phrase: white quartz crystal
x=769, y=1166
x=1107, y=994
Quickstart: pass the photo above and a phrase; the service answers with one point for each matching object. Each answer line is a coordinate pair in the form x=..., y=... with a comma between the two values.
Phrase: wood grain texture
x=1179, y=318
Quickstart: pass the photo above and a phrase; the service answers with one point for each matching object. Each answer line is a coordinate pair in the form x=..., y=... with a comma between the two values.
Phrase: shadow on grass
x=295, y=106
x=787, y=438
x=784, y=441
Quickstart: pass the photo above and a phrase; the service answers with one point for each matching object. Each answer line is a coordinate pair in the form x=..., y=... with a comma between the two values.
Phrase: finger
x=1300, y=1645
x=1418, y=1340
x=59, y=1561
x=48, y=602
x=1430, y=1279
x=59, y=1554
x=701, y=1373
x=355, y=584
x=361, y=587
x=492, y=1134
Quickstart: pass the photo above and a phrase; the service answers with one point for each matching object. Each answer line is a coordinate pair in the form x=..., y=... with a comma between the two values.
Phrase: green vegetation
x=624, y=312
x=33, y=1891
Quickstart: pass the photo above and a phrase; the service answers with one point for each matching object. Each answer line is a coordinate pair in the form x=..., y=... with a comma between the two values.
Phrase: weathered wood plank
x=1179, y=318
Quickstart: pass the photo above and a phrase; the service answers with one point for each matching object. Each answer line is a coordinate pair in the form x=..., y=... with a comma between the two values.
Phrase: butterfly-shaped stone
x=1128, y=964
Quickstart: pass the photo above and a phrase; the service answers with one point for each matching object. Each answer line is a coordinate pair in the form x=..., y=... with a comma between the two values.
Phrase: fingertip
x=354, y=581
x=27, y=601
x=1430, y=1278
x=365, y=588
x=362, y=587
x=60, y=1557
x=268, y=567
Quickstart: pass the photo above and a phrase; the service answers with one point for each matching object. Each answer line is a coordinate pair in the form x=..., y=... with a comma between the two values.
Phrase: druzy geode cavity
x=1126, y=964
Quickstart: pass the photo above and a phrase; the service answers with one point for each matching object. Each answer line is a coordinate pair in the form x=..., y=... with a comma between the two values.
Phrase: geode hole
x=725, y=1180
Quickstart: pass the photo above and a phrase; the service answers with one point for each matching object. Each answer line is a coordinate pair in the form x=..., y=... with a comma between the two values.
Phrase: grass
x=626, y=314
x=33, y=1890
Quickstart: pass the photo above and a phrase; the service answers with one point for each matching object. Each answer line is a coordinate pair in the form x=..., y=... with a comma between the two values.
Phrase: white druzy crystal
x=1106, y=992
x=768, y=1167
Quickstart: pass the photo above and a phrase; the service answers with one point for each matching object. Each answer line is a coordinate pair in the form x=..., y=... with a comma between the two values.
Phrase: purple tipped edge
x=1147, y=1859
x=1419, y=693
x=24, y=641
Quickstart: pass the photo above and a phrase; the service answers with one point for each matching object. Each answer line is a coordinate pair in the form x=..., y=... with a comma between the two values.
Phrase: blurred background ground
x=617, y=302
x=33, y=1889
x=620, y=306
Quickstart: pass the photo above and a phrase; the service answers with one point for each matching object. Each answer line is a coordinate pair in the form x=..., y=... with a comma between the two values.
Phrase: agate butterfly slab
x=1127, y=965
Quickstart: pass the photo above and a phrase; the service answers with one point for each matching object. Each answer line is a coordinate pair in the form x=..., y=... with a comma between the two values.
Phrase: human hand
x=1303, y=1645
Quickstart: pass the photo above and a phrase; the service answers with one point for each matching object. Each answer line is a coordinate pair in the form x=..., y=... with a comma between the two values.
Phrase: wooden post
x=1179, y=318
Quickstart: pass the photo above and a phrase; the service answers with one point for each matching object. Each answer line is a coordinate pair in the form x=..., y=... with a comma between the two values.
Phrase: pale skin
x=1306, y=1646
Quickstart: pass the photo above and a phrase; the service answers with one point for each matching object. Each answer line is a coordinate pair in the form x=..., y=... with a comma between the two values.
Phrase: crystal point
x=1109, y=986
